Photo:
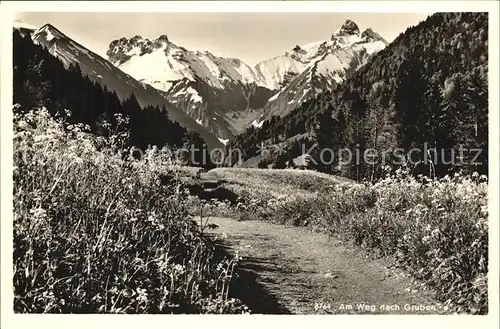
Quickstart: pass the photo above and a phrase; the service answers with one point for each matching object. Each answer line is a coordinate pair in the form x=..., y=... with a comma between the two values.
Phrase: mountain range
x=215, y=96
x=227, y=95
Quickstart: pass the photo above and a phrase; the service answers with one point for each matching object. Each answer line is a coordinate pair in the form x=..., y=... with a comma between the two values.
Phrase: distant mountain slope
x=100, y=70
x=430, y=85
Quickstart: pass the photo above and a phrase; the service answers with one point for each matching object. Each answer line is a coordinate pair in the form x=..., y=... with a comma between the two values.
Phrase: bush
x=96, y=233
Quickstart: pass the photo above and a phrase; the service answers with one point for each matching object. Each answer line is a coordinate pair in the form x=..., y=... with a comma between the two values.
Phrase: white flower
x=178, y=268
x=38, y=214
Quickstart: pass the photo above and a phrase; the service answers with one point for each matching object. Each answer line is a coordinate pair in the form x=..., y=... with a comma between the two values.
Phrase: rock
x=348, y=28
x=163, y=37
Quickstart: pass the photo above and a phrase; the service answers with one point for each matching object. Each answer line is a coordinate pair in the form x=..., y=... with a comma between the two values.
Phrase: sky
x=251, y=37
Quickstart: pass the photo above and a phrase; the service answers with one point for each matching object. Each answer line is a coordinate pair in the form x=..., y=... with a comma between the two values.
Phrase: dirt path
x=292, y=270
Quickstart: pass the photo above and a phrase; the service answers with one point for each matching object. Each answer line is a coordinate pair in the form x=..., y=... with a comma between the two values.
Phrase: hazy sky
x=251, y=37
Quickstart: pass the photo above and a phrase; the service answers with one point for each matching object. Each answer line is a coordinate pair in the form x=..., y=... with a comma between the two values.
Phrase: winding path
x=292, y=270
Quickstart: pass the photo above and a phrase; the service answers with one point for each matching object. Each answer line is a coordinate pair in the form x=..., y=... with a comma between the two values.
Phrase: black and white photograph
x=280, y=162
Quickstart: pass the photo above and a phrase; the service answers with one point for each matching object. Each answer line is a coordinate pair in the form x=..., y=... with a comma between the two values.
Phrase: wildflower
x=38, y=214
x=142, y=295
x=426, y=239
x=178, y=268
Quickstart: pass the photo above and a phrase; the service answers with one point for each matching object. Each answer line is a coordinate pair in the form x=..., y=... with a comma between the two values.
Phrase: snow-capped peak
x=316, y=67
x=278, y=71
x=121, y=50
x=348, y=28
x=48, y=33
x=17, y=24
x=160, y=62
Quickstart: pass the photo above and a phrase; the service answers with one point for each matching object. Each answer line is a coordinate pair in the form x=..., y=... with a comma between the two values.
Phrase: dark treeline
x=427, y=89
x=40, y=79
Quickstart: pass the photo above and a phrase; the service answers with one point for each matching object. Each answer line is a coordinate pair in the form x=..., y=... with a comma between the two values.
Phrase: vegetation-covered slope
x=428, y=87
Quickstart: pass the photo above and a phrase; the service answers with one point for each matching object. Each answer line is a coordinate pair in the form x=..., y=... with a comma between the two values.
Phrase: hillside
x=428, y=86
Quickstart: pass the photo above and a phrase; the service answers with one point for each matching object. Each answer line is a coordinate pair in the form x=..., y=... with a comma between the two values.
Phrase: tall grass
x=96, y=233
x=438, y=230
